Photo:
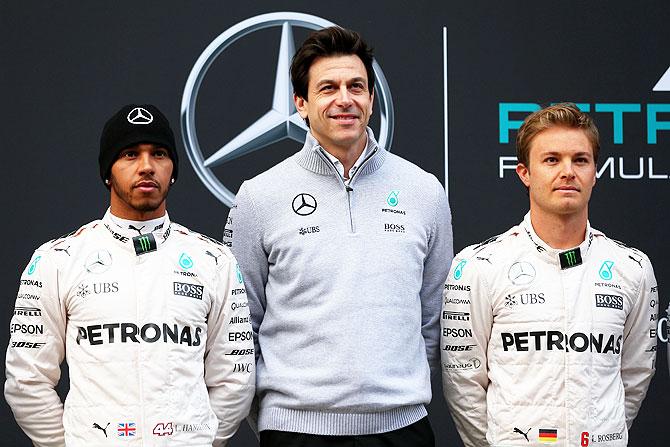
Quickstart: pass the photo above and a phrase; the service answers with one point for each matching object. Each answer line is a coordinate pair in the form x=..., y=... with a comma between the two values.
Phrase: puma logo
x=104, y=430
x=525, y=435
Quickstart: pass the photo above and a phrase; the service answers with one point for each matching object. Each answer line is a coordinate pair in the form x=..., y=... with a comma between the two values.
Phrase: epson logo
x=188, y=290
x=456, y=332
x=609, y=301
x=394, y=228
x=26, y=328
x=456, y=316
x=240, y=336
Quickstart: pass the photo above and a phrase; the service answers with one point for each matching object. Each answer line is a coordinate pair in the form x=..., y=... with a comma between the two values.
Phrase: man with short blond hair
x=548, y=330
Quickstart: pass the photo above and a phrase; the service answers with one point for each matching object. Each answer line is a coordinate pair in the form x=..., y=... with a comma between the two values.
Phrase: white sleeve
x=638, y=353
x=36, y=350
x=229, y=353
x=467, y=319
x=243, y=235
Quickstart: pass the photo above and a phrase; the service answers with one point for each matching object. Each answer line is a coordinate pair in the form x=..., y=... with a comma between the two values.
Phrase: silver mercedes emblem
x=304, y=204
x=282, y=120
x=521, y=273
x=140, y=115
x=98, y=262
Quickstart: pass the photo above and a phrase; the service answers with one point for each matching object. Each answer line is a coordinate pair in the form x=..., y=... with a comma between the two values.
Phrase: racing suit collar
x=126, y=236
x=552, y=255
x=310, y=159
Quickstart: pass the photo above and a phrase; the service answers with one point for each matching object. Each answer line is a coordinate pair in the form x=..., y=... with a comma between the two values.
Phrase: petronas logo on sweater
x=392, y=201
x=392, y=198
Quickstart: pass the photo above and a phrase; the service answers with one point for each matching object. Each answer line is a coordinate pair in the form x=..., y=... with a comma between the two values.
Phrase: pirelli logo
x=28, y=311
x=456, y=316
x=609, y=301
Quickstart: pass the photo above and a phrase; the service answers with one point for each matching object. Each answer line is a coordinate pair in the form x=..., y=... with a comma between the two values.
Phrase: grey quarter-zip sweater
x=344, y=283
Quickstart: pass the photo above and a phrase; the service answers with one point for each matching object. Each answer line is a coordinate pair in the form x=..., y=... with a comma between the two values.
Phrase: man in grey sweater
x=344, y=248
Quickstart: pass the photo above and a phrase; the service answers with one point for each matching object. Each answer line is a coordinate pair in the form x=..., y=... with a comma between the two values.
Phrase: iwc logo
x=282, y=120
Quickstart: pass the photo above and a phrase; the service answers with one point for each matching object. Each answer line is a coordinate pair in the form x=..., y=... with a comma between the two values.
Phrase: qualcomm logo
x=282, y=120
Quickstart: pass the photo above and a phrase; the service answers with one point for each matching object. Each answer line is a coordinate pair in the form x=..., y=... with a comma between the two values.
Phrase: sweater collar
x=310, y=158
x=561, y=257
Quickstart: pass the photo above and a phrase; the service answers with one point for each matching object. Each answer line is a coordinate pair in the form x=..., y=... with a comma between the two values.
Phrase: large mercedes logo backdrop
x=282, y=120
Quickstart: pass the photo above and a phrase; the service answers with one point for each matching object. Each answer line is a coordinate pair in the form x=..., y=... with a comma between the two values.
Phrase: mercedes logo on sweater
x=304, y=204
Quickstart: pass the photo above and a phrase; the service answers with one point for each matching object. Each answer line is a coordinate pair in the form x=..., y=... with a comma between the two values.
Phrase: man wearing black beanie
x=152, y=318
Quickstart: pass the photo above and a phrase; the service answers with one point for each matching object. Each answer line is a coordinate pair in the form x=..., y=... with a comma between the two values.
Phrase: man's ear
x=523, y=173
x=300, y=105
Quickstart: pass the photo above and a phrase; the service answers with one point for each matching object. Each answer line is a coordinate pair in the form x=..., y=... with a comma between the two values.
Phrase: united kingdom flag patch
x=125, y=429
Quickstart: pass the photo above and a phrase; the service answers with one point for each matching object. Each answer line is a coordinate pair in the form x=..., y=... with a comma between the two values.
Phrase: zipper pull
x=349, y=188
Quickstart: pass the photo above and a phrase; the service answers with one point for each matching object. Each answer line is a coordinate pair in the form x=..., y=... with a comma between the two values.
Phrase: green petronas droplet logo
x=392, y=198
x=238, y=273
x=605, y=271
x=458, y=271
x=33, y=265
x=185, y=261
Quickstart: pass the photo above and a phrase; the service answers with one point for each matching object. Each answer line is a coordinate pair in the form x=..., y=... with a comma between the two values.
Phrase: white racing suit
x=156, y=333
x=548, y=347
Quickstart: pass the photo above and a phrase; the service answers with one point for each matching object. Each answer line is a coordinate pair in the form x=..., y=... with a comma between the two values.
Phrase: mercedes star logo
x=521, y=273
x=304, y=204
x=140, y=115
x=98, y=262
x=282, y=120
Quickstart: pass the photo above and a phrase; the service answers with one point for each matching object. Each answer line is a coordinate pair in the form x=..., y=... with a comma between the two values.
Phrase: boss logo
x=394, y=228
x=188, y=290
x=609, y=301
